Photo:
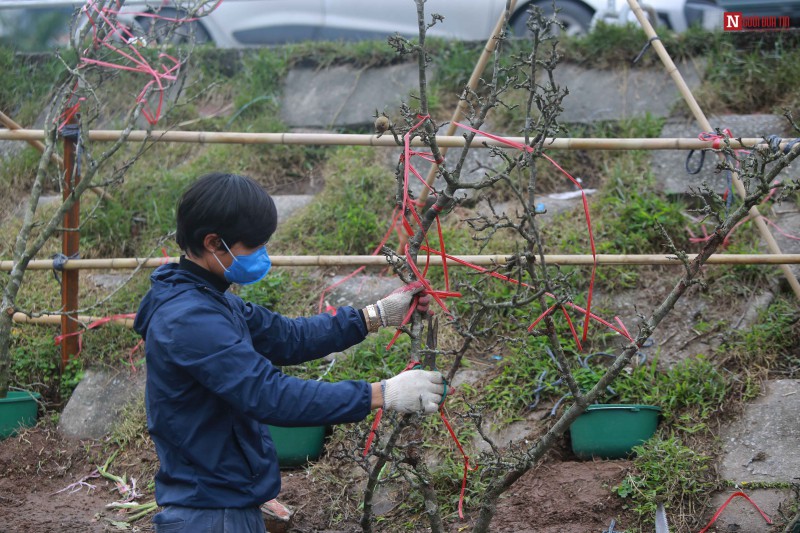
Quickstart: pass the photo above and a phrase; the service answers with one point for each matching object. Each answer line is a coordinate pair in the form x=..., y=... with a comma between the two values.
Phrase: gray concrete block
x=764, y=443
x=786, y=216
x=669, y=166
x=287, y=204
x=740, y=515
x=344, y=96
x=596, y=95
x=96, y=401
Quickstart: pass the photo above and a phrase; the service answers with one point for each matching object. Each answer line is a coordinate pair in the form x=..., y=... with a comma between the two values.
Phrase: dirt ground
x=37, y=467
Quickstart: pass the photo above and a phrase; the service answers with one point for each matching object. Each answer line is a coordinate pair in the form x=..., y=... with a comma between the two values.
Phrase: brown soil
x=37, y=467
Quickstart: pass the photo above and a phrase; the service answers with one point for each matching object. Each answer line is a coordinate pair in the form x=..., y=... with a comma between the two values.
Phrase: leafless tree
x=398, y=447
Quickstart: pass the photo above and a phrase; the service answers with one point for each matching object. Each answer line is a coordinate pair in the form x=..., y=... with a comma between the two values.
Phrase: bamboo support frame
x=341, y=139
x=22, y=318
x=130, y=263
x=673, y=71
x=373, y=260
x=9, y=123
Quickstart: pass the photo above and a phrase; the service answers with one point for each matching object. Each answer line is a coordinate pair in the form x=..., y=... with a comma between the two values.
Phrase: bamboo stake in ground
x=673, y=71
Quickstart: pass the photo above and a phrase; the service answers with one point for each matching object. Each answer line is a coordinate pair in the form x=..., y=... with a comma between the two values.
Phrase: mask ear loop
x=226, y=247
x=229, y=251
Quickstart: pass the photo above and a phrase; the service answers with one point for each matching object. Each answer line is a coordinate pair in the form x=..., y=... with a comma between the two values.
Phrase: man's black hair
x=234, y=207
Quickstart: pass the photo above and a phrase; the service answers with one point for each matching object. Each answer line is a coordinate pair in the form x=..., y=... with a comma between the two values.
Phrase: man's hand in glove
x=413, y=391
x=394, y=307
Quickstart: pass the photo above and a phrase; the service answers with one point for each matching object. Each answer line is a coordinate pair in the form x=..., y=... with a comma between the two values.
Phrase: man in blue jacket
x=212, y=381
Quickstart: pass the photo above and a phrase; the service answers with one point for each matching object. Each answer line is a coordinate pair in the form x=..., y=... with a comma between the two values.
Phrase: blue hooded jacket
x=212, y=386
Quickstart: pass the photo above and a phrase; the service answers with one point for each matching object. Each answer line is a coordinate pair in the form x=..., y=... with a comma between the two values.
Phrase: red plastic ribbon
x=95, y=324
x=113, y=31
x=724, y=505
x=716, y=138
x=466, y=463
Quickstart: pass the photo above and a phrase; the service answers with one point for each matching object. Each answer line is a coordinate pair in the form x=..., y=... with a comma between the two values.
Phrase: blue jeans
x=174, y=519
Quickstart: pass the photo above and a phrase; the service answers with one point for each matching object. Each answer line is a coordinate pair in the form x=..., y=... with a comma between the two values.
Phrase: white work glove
x=413, y=391
x=393, y=309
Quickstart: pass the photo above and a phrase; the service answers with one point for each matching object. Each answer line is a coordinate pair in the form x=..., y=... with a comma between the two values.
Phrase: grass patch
x=351, y=215
x=770, y=345
x=754, y=73
x=666, y=471
x=27, y=81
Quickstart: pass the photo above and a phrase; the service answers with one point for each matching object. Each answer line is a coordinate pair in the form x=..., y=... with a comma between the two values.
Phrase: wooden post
x=70, y=245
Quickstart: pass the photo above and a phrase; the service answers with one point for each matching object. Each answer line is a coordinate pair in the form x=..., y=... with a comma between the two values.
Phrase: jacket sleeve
x=208, y=345
x=291, y=341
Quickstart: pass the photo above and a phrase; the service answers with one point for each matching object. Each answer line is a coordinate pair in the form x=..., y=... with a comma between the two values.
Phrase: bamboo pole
x=673, y=71
x=435, y=260
x=338, y=139
x=472, y=84
x=22, y=318
x=9, y=123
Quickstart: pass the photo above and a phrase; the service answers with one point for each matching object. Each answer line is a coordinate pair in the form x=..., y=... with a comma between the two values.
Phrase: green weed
x=764, y=68
x=36, y=364
x=665, y=471
x=27, y=81
x=770, y=344
x=130, y=428
x=350, y=216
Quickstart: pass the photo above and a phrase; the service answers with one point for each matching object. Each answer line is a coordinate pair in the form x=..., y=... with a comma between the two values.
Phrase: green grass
x=770, y=344
x=351, y=215
x=756, y=73
x=27, y=81
x=666, y=471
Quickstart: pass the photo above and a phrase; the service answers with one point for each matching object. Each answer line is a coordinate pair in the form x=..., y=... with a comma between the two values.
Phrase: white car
x=245, y=23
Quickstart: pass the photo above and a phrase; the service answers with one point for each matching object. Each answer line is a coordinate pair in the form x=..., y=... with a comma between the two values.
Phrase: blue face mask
x=247, y=269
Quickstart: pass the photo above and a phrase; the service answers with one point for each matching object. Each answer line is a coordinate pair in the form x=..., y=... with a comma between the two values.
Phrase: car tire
x=576, y=17
x=166, y=31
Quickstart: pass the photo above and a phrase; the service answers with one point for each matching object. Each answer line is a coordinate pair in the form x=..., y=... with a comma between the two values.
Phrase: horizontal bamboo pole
x=336, y=139
x=435, y=260
x=22, y=318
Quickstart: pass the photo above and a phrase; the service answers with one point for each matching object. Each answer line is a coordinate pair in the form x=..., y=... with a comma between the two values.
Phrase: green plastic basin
x=610, y=431
x=297, y=446
x=17, y=410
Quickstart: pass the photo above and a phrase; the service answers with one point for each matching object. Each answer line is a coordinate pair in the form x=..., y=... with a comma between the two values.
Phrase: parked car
x=242, y=23
x=764, y=8
x=246, y=23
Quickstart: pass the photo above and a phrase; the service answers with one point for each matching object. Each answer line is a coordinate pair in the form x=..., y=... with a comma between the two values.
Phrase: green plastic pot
x=297, y=446
x=17, y=410
x=611, y=431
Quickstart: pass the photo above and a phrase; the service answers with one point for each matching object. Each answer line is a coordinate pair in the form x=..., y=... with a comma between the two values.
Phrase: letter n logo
x=732, y=21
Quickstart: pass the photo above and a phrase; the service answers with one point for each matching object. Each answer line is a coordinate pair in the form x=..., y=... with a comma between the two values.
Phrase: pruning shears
x=429, y=361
